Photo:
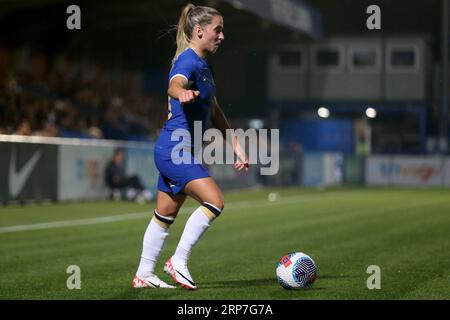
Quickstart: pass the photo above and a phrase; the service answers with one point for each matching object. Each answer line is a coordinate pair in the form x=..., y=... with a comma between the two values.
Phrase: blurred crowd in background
x=61, y=97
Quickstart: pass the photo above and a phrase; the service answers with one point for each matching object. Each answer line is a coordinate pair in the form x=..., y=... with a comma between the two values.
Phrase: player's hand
x=188, y=96
x=242, y=159
x=239, y=165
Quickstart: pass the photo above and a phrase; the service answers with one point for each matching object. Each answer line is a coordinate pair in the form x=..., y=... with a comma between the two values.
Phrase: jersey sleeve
x=183, y=67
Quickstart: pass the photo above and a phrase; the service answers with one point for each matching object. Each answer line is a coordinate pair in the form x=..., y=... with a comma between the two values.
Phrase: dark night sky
x=140, y=27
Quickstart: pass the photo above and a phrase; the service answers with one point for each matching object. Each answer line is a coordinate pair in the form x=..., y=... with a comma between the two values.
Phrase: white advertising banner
x=323, y=169
x=378, y=170
x=333, y=164
x=405, y=170
x=418, y=171
x=81, y=172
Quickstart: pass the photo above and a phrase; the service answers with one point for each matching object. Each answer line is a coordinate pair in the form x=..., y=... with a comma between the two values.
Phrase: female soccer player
x=191, y=98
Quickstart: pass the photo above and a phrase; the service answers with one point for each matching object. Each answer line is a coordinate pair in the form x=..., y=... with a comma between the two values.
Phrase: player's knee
x=220, y=205
x=164, y=220
x=217, y=202
x=213, y=208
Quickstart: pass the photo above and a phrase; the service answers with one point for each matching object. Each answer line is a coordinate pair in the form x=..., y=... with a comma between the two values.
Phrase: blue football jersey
x=199, y=75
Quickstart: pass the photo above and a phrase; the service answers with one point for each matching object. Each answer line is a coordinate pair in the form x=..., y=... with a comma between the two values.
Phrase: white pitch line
x=70, y=223
x=141, y=215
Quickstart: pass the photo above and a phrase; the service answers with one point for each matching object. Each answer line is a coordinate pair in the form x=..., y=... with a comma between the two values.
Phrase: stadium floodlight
x=323, y=112
x=238, y=5
x=371, y=113
x=256, y=123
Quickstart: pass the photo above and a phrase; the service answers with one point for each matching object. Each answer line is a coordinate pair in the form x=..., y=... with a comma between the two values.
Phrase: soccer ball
x=296, y=270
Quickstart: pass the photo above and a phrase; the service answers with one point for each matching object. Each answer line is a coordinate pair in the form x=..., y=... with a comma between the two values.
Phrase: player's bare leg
x=168, y=204
x=205, y=190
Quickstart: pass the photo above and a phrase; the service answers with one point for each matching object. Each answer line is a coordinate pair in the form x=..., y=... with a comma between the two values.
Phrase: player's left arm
x=219, y=120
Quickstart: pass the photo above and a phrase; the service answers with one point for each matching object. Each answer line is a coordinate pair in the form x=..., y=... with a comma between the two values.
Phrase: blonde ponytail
x=191, y=15
x=182, y=38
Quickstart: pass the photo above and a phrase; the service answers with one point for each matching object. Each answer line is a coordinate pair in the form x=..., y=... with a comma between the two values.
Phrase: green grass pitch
x=406, y=232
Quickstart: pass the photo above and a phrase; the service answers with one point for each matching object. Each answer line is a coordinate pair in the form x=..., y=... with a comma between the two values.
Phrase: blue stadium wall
x=319, y=135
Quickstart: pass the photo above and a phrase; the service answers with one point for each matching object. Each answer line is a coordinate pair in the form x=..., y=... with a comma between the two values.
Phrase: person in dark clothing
x=119, y=183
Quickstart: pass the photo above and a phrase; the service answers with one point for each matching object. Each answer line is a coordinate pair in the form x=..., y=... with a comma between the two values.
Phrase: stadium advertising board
x=353, y=169
x=447, y=171
x=139, y=161
x=405, y=170
x=228, y=178
x=28, y=172
x=323, y=169
x=333, y=166
x=81, y=171
x=290, y=170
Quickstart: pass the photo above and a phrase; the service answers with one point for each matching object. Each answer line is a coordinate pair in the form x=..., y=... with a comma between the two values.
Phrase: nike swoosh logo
x=185, y=278
x=155, y=285
x=18, y=179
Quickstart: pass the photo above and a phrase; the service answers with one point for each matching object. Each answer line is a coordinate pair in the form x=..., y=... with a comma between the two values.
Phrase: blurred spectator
x=48, y=130
x=73, y=98
x=24, y=128
x=94, y=130
x=362, y=146
x=122, y=186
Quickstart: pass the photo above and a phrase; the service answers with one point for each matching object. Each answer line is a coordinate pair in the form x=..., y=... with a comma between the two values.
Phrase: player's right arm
x=178, y=90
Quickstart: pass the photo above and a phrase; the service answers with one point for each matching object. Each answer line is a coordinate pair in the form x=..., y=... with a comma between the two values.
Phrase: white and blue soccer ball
x=296, y=270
